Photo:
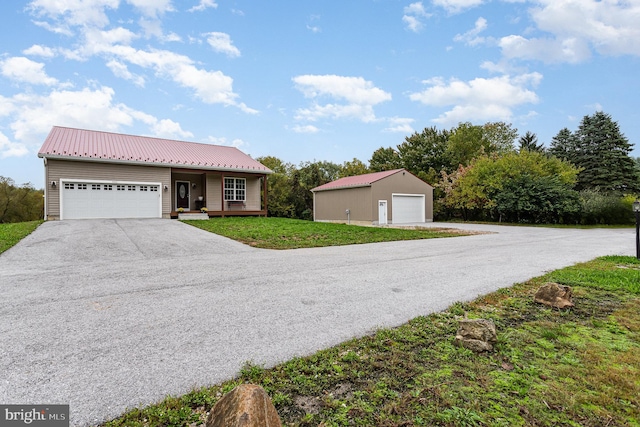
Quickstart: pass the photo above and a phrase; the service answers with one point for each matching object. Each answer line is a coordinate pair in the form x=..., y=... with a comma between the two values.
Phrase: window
x=235, y=189
x=153, y=188
x=108, y=187
x=144, y=188
x=68, y=186
x=95, y=186
x=82, y=186
x=131, y=187
x=120, y=187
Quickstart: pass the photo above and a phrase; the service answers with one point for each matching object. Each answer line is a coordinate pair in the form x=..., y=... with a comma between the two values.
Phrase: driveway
x=107, y=315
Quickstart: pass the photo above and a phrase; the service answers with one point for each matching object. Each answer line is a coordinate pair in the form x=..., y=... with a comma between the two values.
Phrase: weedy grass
x=575, y=367
x=12, y=233
x=284, y=233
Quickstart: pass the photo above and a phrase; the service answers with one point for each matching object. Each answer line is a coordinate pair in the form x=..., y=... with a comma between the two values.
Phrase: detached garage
x=389, y=197
x=92, y=174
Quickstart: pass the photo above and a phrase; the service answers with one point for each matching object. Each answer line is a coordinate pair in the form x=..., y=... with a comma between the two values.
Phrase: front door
x=182, y=194
x=382, y=212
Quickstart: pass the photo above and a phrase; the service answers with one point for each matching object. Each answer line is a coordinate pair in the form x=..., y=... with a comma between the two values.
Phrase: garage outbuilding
x=93, y=174
x=388, y=197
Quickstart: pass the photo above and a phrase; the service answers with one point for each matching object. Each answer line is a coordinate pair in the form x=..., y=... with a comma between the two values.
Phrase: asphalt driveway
x=110, y=314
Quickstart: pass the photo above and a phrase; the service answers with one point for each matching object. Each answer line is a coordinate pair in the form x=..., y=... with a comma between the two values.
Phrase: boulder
x=247, y=405
x=554, y=295
x=476, y=334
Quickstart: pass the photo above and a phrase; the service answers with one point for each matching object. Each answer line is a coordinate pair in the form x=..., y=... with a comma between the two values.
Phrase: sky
x=307, y=80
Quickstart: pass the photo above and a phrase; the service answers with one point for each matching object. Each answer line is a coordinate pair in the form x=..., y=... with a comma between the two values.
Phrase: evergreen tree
x=602, y=151
x=564, y=145
x=529, y=142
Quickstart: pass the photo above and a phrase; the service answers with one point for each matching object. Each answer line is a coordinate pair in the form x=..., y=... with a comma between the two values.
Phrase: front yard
x=284, y=233
x=12, y=233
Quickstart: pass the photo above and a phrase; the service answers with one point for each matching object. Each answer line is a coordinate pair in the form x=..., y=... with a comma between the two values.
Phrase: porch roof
x=88, y=145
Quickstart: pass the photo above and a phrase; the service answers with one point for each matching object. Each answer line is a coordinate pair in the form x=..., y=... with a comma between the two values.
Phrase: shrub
x=605, y=208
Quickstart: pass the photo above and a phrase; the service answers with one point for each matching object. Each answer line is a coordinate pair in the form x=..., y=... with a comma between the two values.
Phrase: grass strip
x=284, y=233
x=12, y=233
x=577, y=367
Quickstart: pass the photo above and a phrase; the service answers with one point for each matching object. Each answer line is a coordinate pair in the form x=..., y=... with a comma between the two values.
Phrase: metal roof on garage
x=356, y=181
x=90, y=145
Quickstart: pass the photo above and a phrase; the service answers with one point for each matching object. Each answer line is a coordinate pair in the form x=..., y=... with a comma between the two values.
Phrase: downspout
x=46, y=181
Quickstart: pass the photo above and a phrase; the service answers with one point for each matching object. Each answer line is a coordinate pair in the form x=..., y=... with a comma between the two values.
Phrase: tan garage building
x=389, y=197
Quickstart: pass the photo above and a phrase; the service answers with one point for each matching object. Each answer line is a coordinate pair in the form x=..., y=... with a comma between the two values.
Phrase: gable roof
x=97, y=146
x=356, y=181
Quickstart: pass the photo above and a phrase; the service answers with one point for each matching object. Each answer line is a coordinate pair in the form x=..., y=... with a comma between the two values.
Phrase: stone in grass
x=554, y=295
x=476, y=334
x=247, y=405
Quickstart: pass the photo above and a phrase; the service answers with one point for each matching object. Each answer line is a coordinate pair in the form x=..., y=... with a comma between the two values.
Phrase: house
x=389, y=197
x=92, y=174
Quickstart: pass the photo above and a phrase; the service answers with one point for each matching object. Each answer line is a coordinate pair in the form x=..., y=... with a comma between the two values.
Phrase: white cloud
x=472, y=37
x=120, y=70
x=360, y=96
x=305, y=129
x=455, y=6
x=74, y=12
x=479, y=99
x=152, y=8
x=24, y=70
x=221, y=42
x=413, y=15
x=204, y=4
x=38, y=50
x=32, y=116
x=400, y=125
x=11, y=149
x=571, y=50
x=576, y=28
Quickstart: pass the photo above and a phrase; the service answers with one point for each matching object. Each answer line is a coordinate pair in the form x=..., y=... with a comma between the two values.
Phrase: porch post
x=264, y=189
x=222, y=194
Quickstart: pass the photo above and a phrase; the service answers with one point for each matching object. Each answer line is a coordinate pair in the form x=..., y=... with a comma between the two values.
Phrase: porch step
x=193, y=216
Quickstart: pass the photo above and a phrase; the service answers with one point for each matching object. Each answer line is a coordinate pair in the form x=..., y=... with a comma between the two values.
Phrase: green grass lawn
x=284, y=233
x=12, y=233
x=577, y=367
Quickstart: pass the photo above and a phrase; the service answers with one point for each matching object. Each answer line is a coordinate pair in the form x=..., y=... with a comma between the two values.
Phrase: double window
x=235, y=189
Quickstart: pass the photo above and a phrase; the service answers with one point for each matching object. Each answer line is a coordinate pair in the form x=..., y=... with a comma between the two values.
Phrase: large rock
x=476, y=334
x=554, y=295
x=247, y=405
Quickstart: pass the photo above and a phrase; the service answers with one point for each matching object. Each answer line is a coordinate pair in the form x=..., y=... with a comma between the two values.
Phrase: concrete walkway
x=107, y=315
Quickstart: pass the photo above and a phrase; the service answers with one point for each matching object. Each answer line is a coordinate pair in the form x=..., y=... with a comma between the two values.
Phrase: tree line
x=20, y=203
x=490, y=173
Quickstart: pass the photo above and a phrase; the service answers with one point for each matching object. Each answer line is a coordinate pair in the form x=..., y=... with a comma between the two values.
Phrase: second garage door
x=406, y=208
x=84, y=200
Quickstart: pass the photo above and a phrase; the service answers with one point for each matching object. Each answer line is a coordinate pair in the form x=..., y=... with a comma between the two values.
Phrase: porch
x=221, y=193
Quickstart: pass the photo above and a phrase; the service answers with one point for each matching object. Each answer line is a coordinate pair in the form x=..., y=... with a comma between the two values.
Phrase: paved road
x=110, y=314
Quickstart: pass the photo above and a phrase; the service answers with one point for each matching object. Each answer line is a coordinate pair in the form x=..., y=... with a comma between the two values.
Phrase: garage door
x=407, y=208
x=83, y=200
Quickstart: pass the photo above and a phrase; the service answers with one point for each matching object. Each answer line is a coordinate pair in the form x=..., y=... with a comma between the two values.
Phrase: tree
x=526, y=186
x=529, y=141
x=18, y=204
x=385, y=159
x=308, y=176
x=564, y=145
x=352, y=168
x=425, y=152
x=468, y=141
x=279, y=203
x=602, y=151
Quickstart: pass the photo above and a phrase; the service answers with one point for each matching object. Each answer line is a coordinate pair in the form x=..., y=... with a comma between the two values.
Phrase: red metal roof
x=69, y=143
x=356, y=181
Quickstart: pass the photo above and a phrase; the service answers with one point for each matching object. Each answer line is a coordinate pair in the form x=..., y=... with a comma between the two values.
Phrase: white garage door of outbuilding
x=93, y=199
x=407, y=208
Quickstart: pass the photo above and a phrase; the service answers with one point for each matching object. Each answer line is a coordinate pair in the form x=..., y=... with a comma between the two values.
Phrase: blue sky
x=309, y=80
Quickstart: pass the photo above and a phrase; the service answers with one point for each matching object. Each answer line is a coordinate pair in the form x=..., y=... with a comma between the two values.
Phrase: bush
x=606, y=208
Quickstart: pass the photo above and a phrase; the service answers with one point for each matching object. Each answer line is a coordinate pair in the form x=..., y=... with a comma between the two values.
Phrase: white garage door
x=407, y=208
x=83, y=200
